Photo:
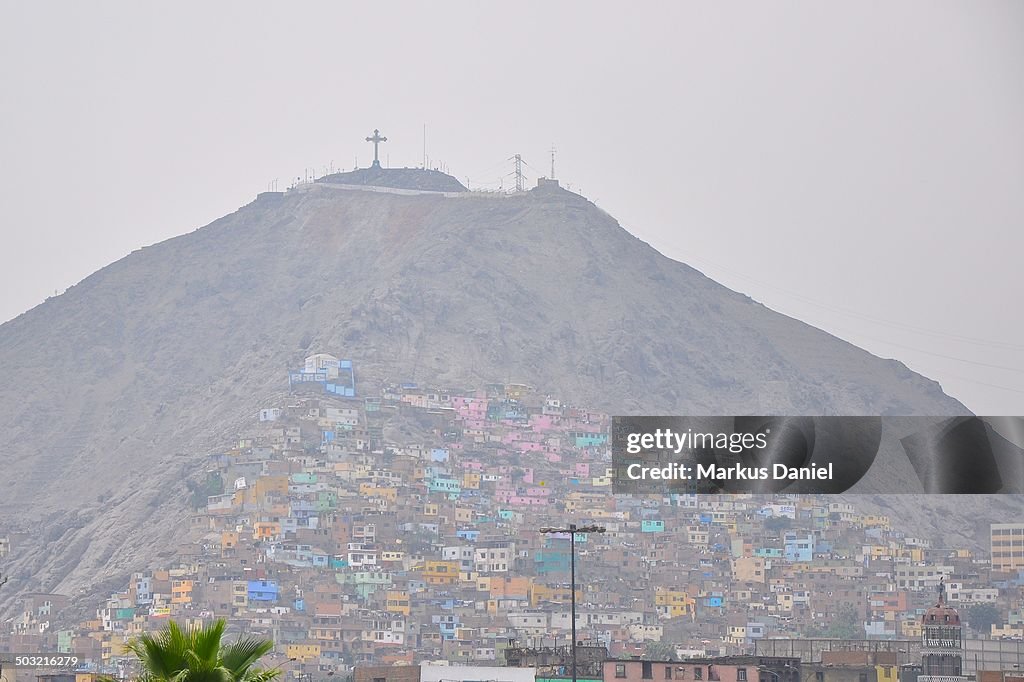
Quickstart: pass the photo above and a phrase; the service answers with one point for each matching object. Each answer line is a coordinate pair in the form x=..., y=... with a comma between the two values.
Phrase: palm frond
x=261, y=675
x=239, y=656
x=198, y=654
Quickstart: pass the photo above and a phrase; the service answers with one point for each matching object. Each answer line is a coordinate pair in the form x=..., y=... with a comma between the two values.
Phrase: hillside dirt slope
x=115, y=390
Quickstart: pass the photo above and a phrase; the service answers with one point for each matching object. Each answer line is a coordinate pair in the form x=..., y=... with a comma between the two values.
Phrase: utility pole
x=572, y=530
x=552, y=160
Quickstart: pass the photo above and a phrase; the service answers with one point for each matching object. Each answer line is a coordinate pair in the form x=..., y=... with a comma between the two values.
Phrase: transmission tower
x=520, y=185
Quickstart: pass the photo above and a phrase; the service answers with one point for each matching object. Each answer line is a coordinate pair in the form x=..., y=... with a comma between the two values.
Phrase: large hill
x=114, y=390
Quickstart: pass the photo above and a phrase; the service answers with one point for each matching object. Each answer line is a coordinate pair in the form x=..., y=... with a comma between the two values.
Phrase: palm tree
x=197, y=654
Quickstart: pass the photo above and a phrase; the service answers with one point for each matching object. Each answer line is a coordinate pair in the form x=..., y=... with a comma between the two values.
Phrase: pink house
x=542, y=422
x=526, y=501
x=727, y=669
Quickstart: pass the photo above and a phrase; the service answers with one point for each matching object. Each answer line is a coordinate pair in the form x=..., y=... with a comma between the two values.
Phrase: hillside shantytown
x=396, y=536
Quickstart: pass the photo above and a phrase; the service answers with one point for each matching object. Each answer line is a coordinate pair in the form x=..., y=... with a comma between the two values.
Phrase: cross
x=376, y=140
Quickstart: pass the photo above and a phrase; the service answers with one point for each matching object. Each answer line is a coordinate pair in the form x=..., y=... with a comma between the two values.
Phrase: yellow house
x=181, y=592
x=441, y=572
x=266, y=485
x=111, y=646
x=887, y=673
x=875, y=521
x=673, y=603
x=540, y=593
x=228, y=540
x=430, y=509
x=471, y=481
x=584, y=502
x=303, y=652
x=371, y=491
x=398, y=602
x=516, y=391
x=910, y=628
x=914, y=554
x=240, y=594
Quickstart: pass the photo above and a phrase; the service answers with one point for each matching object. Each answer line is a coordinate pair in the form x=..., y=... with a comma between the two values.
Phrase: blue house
x=551, y=560
x=584, y=439
x=263, y=590
x=799, y=548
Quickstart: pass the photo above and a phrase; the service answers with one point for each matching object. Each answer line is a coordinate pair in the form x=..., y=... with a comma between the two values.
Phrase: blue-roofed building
x=263, y=590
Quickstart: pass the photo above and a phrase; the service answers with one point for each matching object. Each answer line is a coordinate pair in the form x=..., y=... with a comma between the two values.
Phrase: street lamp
x=282, y=663
x=778, y=677
x=571, y=531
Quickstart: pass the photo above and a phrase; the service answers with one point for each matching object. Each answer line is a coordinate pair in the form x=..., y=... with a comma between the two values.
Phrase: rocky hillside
x=114, y=390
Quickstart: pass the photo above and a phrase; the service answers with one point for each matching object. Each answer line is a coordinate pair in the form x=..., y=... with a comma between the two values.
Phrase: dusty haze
x=856, y=166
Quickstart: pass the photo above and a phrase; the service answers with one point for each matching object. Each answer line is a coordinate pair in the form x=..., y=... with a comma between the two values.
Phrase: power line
x=985, y=383
x=928, y=352
x=518, y=171
x=852, y=313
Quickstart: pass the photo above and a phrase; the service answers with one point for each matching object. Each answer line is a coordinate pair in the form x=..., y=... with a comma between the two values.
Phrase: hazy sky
x=859, y=166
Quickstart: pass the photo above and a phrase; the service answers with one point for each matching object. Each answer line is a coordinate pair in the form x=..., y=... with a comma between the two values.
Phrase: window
x=647, y=671
x=668, y=672
x=698, y=673
x=819, y=676
x=620, y=670
x=863, y=677
x=741, y=675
